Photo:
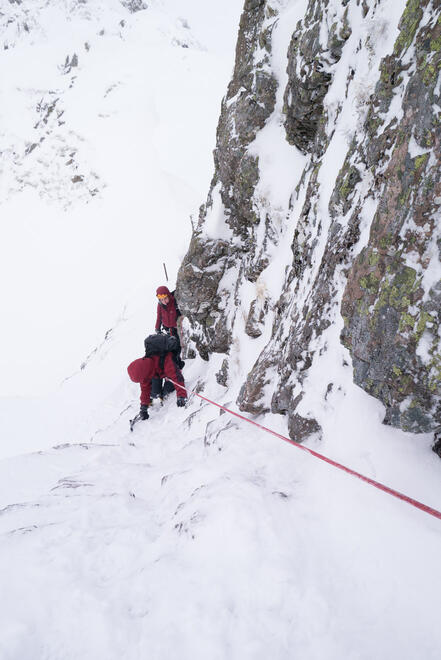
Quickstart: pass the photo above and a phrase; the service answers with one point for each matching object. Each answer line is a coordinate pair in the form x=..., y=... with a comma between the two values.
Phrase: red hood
x=136, y=370
x=162, y=291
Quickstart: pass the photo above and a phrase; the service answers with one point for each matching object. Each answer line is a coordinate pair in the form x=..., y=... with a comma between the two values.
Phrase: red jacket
x=144, y=369
x=167, y=315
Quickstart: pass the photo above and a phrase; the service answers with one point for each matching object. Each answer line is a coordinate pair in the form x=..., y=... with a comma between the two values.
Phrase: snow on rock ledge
x=358, y=94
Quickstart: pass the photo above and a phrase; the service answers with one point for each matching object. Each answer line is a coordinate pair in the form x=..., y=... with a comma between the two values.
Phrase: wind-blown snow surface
x=107, y=122
x=107, y=125
x=236, y=547
x=195, y=536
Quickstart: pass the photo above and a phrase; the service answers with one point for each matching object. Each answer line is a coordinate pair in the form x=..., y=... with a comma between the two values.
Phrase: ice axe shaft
x=165, y=271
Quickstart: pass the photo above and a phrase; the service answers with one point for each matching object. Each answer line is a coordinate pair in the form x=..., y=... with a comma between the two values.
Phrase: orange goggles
x=161, y=296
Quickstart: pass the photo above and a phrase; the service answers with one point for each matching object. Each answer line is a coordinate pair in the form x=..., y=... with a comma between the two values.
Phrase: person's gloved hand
x=143, y=411
x=158, y=331
x=181, y=401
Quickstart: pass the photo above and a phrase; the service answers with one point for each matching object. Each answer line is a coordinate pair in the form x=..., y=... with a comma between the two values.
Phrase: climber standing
x=167, y=312
x=166, y=320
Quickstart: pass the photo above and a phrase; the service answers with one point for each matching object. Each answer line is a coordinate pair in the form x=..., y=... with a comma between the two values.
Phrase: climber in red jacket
x=166, y=320
x=144, y=369
x=167, y=312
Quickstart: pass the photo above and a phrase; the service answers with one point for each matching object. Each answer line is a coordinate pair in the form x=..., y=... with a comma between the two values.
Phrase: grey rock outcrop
x=392, y=319
x=310, y=74
x=248, y=103
x=365, y=235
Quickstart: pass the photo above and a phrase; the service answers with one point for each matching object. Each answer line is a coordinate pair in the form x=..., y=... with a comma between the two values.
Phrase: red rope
x=372, y=482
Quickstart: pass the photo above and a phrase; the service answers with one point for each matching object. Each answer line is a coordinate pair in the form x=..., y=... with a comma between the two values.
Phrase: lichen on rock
x=363, y=220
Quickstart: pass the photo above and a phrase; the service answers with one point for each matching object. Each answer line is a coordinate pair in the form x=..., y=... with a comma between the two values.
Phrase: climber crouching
x=144, y=369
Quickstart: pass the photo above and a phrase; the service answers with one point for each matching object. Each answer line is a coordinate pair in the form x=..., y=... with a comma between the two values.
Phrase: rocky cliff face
x=329, y=143
x=391, y=304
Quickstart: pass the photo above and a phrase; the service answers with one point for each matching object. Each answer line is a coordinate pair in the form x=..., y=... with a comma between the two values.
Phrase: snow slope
x=90, y=213
x=102, y=165
x=174, y=541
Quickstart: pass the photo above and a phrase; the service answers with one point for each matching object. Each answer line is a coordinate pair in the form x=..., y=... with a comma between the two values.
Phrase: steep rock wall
x=356, y=88
x=392, y=299
x=247, y=105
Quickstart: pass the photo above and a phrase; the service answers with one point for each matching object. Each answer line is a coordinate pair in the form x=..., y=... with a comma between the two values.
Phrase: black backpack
x=160, y=345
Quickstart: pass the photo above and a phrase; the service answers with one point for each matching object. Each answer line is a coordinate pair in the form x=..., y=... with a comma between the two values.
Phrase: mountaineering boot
x=143, y=412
